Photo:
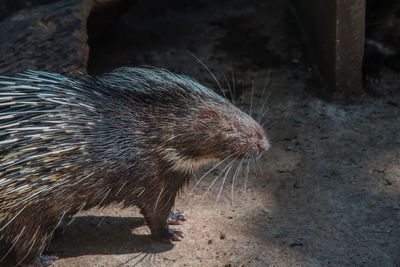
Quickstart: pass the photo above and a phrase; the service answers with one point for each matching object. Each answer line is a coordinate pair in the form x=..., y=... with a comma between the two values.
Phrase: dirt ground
x=326, y=194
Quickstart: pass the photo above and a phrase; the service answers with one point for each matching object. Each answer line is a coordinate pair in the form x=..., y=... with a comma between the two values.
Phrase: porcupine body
x=132, y=136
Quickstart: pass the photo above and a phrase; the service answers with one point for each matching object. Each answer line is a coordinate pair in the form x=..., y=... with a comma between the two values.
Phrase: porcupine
x=132, y=136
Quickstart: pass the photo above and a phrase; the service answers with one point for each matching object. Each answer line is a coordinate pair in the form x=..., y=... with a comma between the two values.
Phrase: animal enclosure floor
x=326, y=194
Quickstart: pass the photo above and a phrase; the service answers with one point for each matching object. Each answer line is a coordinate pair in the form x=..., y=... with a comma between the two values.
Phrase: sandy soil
x=326, y=194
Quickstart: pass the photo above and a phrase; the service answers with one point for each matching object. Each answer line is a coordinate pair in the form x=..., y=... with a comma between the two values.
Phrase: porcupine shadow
x=96, y=235
x=108, y=236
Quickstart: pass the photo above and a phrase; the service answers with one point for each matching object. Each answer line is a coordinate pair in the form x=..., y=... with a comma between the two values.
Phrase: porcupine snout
x=263, y=144
x=259, y=142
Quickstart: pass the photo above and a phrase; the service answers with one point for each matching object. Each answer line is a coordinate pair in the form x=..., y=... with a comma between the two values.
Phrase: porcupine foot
x=159, y=219
x=176, y=218
x=161, y=231
x=171, y=234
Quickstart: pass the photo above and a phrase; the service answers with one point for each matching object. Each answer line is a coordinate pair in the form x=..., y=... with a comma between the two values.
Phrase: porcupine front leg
x=156, y=212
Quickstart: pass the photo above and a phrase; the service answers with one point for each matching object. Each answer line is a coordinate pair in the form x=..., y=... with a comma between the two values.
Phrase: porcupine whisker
x=235, y=175
x=13, y=245
x=158, y=198
x=256, y=166
x=260, y=155
x=205, y=66
x=247, y=173
x=224, y=179
x=210, y=170
x=30, y=248
x=253, y=163
x=233, y=83
x=251, y=100
x=263, y=102
x=76, y=214
x=216, y=178
x=262, y=113
x=266, y=83
x=230, y=90
x=262, y=126
x=242, y=106
x=246, y=160
x=15, y=216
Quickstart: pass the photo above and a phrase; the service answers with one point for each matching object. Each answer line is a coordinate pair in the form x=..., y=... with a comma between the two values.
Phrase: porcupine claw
x=176, y=218
x=172, y=235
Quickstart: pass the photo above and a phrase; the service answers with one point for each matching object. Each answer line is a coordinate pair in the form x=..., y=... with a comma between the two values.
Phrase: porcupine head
x=132, y=136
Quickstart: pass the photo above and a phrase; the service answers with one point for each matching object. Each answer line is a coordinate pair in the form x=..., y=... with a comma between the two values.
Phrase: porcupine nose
x=263, y=144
